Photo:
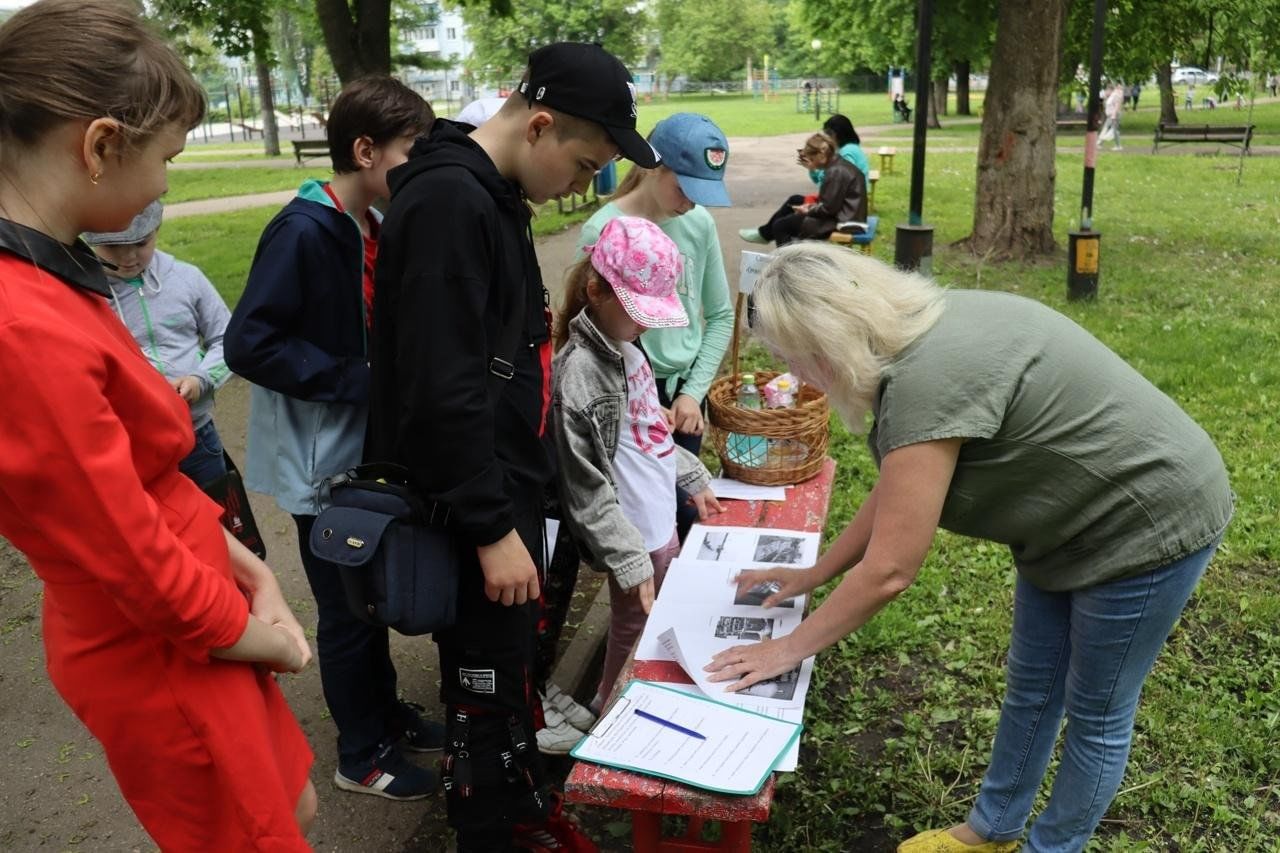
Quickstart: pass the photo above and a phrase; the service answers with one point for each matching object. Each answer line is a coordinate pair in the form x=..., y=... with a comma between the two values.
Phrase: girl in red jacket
x=161, y=631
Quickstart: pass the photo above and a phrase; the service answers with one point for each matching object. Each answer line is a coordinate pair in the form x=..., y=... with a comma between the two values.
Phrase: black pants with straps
x=492, y=771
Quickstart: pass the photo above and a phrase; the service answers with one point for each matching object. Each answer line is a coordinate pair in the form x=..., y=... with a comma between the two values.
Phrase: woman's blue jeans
x=1085, y=655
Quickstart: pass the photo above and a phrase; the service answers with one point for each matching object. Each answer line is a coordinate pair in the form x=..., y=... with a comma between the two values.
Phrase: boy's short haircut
x=379, y=107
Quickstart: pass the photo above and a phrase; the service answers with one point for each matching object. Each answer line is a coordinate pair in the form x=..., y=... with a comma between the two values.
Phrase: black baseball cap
x=587, y=81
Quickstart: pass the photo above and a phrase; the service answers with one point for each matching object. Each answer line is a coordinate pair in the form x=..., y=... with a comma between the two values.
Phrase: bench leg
x=646, y=836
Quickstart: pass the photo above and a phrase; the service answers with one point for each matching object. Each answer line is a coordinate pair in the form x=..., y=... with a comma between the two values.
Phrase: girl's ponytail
x=575, y=299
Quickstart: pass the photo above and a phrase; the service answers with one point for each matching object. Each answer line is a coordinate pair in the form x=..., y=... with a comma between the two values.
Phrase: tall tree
x=713, y=39
x=1013, y=209
x=239, y=28
x=883, y=35
x=358, y=36
x=502, y=44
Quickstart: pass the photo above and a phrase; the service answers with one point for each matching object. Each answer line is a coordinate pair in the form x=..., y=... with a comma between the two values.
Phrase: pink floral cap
x=642, y=265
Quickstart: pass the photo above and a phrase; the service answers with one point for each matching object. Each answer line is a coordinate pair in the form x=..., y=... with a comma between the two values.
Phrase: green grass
x=194, y=184
x=901, y=715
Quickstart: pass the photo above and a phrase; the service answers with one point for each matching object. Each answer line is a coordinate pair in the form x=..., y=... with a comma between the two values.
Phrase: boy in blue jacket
x=300, y=335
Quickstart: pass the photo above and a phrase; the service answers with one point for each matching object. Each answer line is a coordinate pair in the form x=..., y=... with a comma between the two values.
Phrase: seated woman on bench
x=900, y=106
x=841, y=198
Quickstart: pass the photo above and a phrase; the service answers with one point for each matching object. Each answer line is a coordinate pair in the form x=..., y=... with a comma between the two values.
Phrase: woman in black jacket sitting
x=841, y=198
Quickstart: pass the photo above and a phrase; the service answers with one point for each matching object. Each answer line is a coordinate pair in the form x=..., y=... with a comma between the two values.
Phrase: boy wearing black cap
x=460, y=391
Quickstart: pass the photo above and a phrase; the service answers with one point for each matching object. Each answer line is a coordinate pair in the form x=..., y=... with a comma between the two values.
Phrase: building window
x=451, y=33
x=453, y=85
x=431, y=32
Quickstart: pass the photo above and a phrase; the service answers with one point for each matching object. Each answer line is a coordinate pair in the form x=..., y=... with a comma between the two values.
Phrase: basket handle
x=738, y=306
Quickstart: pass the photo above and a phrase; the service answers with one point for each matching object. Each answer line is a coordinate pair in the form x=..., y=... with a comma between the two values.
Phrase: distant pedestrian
x=1135, y=91
x=1189, y=101
x=1114, y=105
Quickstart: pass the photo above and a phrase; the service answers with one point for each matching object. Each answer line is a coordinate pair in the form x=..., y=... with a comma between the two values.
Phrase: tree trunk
x=359, y=45
x=262, y=64
x=1013, y=210
x=938, y=90
x=962, y=69
x=1164, y=80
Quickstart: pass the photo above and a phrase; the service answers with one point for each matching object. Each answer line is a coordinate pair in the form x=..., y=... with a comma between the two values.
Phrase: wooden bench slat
x=1240, y=135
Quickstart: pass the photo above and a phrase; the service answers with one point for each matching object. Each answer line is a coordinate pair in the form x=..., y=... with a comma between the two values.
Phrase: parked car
x=1191, y=74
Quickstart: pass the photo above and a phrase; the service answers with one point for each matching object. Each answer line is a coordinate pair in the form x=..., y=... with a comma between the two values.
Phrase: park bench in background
x=862, y=240
x=887, y=154
x=648, y=798
x=1238, y=135
x=305, y=149
x=1072, y=123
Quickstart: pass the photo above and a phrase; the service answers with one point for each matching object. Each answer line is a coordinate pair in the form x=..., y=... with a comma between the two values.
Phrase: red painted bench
x=649, y=798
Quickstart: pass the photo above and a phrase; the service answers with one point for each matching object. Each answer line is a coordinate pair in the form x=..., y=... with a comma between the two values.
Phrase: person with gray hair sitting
x=996, y=417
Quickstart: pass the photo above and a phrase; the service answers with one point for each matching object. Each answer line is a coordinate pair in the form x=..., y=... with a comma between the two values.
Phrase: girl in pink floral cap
x=618, y=463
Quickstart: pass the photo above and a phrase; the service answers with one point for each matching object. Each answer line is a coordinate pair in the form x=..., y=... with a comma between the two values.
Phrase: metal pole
x=240, y=100
x=226, y=91
x=913, y=249
x=1084, y=246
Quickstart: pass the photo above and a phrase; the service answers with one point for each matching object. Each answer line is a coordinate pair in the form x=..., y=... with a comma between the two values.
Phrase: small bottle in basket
x=748, y=393
x=780, y=392
x=748, y=450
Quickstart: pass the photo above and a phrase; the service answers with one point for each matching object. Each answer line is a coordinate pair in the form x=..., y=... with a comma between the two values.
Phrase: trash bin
x=607, y=179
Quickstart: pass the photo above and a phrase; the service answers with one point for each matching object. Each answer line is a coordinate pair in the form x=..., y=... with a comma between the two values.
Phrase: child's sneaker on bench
x=942, y=841
x=387, y=774
x=577, y=715
x=557, y=737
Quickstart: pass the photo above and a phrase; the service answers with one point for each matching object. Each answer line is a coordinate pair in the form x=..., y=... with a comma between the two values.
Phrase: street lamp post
x=816, y=44
x=1083, y=246
x=913, y=248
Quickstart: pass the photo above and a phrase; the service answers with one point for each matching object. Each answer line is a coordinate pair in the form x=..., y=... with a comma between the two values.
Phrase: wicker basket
x=767, y=447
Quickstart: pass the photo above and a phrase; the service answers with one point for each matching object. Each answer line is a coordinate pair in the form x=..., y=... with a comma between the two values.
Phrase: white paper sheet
x=735, y=753
x=694, y=649
x=751, y=546
x=701, y=596
x=791, y=760
x=726, y=488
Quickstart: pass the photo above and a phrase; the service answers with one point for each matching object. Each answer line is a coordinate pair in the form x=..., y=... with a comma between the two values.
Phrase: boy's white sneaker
x=575, y=714
x=558, y=737
x=752, y=235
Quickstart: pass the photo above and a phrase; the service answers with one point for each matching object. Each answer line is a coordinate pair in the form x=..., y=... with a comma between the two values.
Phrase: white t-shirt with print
x=645, y=463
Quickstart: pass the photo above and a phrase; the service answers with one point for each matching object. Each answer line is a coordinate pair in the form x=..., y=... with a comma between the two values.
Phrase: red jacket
x=137, y=580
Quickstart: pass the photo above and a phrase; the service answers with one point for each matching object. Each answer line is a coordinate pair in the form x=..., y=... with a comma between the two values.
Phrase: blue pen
x=655, y=719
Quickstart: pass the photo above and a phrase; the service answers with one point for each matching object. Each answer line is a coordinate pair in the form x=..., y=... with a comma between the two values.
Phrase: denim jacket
x=589, y=400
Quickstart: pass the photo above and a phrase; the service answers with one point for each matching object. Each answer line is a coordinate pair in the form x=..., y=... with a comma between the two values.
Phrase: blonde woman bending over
x=998, y=418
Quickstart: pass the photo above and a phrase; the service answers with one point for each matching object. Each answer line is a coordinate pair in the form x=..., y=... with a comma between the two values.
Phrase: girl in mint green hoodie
x=675, y=197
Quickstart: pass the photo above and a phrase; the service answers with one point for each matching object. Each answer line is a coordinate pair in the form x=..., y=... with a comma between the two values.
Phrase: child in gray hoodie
x=178, y=320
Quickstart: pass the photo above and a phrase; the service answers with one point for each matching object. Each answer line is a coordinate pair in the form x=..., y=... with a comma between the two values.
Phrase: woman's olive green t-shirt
x=1086, y=470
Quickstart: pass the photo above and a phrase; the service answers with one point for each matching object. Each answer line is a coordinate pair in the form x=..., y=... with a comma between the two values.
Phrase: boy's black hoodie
x=457, y=286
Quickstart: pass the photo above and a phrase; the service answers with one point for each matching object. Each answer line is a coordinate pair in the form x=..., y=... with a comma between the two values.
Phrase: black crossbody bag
x=398, y=561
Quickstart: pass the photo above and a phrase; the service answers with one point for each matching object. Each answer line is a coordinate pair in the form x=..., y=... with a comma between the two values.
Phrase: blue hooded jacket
x=298, y=334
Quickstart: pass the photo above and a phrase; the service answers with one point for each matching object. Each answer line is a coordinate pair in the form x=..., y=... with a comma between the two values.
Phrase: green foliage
x=881, y=35
x=237, y=27
x=503, y=43
x=713, y=39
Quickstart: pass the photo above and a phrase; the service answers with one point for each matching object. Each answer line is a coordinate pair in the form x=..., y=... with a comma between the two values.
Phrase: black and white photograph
x=779, y=549
x=712, y=546
x=754, y=596
x=752, y=628
x=782, y=687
